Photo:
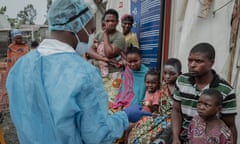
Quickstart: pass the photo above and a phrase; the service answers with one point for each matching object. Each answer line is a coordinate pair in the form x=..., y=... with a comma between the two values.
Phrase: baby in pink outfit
x=152, y=96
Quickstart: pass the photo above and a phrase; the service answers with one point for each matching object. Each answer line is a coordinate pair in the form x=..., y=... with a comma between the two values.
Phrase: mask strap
x=77, y=37
x=86, y=30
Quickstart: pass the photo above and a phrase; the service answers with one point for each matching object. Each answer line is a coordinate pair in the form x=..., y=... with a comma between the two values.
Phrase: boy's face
x=170, y=74
x=134, y=61
x=151, y=83
x=206, y=107
x=126, y=27
x=110, y=22
x=199, y=64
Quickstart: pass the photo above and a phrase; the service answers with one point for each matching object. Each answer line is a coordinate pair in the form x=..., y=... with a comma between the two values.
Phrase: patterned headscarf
x=16, y=32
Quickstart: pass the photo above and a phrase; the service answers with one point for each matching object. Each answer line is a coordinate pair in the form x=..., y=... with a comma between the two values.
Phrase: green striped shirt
x=187, y=93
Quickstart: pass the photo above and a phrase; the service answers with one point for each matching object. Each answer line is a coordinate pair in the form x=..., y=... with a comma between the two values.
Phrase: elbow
x=109, y=54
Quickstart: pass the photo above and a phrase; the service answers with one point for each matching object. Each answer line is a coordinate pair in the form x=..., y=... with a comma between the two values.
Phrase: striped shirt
x=187, y=93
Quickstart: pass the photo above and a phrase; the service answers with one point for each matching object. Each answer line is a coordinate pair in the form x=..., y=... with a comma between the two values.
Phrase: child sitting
x=152, y=96
x=207, y=127
x=132, y=89
x=157, y=127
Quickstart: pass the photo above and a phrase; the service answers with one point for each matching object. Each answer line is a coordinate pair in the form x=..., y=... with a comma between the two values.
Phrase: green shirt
x=188, y=94
x=117, y=40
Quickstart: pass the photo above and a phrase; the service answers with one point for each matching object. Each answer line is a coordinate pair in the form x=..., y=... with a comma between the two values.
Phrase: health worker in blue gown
x=56, y=97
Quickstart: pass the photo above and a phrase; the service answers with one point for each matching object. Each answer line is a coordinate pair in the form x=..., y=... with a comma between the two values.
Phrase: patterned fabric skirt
x=149, y=129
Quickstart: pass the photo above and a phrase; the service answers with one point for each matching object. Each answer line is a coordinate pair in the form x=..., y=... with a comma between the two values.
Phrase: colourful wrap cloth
x=132, y=89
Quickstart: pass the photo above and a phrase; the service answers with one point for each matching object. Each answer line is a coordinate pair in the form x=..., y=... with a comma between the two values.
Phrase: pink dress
x=104, y=67
x=221, y=134
x=151, y=99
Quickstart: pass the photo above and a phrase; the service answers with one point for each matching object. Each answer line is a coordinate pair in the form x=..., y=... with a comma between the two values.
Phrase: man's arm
x=92, y=53
x=176, y=117
x=230, y=122
x=109, y=50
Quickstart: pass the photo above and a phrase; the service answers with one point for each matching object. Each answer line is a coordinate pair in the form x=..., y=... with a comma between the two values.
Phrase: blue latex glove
x=135, y=113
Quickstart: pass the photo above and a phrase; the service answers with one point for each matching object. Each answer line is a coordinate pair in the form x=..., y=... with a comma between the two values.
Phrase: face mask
x=82, y=47
x=91, y=39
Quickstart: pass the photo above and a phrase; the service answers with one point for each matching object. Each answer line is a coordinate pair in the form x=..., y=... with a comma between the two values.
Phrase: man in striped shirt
x=189, y=87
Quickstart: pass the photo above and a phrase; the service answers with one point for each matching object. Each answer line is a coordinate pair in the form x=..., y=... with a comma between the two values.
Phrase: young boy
x=130, y=37
x=207, y=127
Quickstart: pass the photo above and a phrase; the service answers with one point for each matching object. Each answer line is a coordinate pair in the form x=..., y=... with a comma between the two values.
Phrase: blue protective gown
x=56, y=97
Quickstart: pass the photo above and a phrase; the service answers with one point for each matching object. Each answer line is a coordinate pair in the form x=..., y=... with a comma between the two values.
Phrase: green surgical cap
x=69, y=15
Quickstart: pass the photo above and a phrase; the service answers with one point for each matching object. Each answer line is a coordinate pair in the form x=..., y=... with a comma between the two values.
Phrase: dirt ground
x=8, y=129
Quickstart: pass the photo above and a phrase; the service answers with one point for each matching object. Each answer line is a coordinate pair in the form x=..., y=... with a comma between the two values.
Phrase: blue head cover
x=16, y=32
x=69, y=15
